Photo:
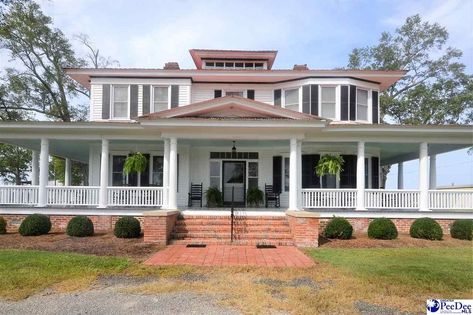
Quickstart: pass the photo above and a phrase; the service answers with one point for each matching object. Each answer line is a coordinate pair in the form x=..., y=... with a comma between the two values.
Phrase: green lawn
x=26, y=272
x=447, y=270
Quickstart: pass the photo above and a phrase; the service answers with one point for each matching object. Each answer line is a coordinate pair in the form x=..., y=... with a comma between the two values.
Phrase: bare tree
x=93, y=57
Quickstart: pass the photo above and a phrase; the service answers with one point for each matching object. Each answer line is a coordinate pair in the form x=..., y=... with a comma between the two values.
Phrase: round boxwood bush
x=35, y=224
x=338, y=228
x=80, y=226
x=3, y=226
x=462, y=229
x=426, y=228
x=127, y=227
x=382, y=229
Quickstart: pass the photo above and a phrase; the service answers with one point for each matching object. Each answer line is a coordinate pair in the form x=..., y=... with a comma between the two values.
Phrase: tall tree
x=435, y=90
x=14, y=163
x=93, y=58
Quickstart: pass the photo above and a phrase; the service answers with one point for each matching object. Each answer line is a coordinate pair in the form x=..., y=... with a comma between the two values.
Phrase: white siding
x=140, y=100
x=95, y=102
x=201, y=93
x=184, y=95
x=204, y=92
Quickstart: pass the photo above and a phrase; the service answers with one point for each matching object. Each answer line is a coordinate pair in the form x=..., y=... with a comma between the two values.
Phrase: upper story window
x=120, y=102
x=234, y=93
x=238, y=65
x=328, y=102
x=291, y=99
x=361, y=104
x=160, y=98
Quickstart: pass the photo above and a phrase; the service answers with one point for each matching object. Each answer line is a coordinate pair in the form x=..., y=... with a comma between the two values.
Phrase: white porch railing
x=391, y=199
x=73, y=195
x=329, y=198
x=19, y=195
x=135, y=196
x=451, y=199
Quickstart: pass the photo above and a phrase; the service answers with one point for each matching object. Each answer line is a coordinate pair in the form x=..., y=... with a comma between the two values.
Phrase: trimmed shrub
x=426, y=228
x=338, y=228
x=382, y=229
x=35, y=224
x=462, y=229
x=80, y=226
x=3, y=226
x=127, y=227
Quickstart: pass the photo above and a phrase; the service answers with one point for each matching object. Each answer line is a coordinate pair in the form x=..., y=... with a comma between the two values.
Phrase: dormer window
x=235, y=65
x=361, y=104
x=327, y=106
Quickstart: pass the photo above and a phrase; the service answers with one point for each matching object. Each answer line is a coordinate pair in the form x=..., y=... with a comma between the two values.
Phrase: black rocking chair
x=195, y=194
x=271, y=196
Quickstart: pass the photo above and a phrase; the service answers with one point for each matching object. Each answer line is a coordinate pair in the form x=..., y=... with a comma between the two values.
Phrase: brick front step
x=235, y=242
x=246, y=221
x=237, y=229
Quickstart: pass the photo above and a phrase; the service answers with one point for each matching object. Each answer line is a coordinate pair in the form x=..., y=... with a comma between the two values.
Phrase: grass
x=401, y=278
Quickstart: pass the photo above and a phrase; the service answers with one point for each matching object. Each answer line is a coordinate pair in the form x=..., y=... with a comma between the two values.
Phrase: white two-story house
x=235, y=123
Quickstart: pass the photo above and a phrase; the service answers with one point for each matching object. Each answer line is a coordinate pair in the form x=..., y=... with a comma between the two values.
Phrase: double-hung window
x=160, y=98
x=327, y=106
x=361, y=104
x=157, y=175
x=291, y=99
x=120, y=102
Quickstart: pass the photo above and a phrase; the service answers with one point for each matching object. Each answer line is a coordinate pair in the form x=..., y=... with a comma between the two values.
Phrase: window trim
x=283, y=97
x=112, y=102
x=367, y=104
x=151, y=95
x=336, y=103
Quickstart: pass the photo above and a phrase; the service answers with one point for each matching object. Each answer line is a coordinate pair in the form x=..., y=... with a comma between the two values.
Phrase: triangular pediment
x=231, y=107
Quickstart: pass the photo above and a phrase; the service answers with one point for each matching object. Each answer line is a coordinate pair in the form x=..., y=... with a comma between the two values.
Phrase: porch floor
x=231, y=255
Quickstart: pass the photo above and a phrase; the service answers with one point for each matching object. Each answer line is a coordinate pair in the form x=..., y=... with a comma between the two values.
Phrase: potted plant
x=214, y=197
x=135, y=163
x=329, y=165
x=254, y=196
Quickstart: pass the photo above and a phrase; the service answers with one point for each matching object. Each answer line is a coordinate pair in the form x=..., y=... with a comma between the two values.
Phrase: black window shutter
x=352, y=102
x=344, y=102
x=277, y=97
x=277, y=174
x=309, y=178
x=146, y=99
x=375, y=116
x=375, y=172
x=106, y=101
x=306, y=99
x=174, y=96
x=250, y=94
x=314, y=99
x=133, y=101
x=348, y=174
x=217, y=93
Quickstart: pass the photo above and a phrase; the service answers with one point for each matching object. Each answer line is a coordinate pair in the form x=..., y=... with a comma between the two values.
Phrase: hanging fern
x=135, y=163
x=329, y=165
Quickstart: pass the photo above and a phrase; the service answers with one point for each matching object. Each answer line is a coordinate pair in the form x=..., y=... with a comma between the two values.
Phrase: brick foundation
x=304, y=228
x=158, y=226
x=402, y=225
x=102, y=223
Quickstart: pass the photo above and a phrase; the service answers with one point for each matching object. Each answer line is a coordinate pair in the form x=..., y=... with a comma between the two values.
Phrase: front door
x=234, y=180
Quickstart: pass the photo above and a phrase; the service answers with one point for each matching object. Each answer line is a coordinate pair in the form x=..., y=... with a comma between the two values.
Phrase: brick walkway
x=231, y=255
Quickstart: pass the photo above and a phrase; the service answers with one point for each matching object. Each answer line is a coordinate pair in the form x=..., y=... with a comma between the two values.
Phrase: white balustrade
x=135, y=196
x=19, y=195
x=451, y=199
x=73, y=195
x=391, y=199
x=329, y=198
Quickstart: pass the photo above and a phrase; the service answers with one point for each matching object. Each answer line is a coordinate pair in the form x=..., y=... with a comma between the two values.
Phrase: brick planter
x=158, y=226
x=304, y=228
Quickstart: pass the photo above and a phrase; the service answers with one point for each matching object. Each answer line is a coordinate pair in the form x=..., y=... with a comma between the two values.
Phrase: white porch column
x=433, y=172
x=400, y=175
x=293, y=178
x=43, y=173
x=67, y=173
x=103, y=200
x=166, y=174
x=172, y=203
x=35, y=168
x=360, y=177
x=423, y=177
x=299, y=174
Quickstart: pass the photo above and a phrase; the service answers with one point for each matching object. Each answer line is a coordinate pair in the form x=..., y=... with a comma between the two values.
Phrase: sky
x=320, y=34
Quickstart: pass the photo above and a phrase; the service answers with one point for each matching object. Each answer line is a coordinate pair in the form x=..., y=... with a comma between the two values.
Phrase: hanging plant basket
x=135, y=163
x=329, y=165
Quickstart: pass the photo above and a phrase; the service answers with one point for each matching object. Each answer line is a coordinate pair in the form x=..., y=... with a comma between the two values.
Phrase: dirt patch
x=361, y=240
x=99, y=244
x=372, y=309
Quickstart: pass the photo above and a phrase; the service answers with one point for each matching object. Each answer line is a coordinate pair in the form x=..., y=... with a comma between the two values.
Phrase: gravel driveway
x=112, y=301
